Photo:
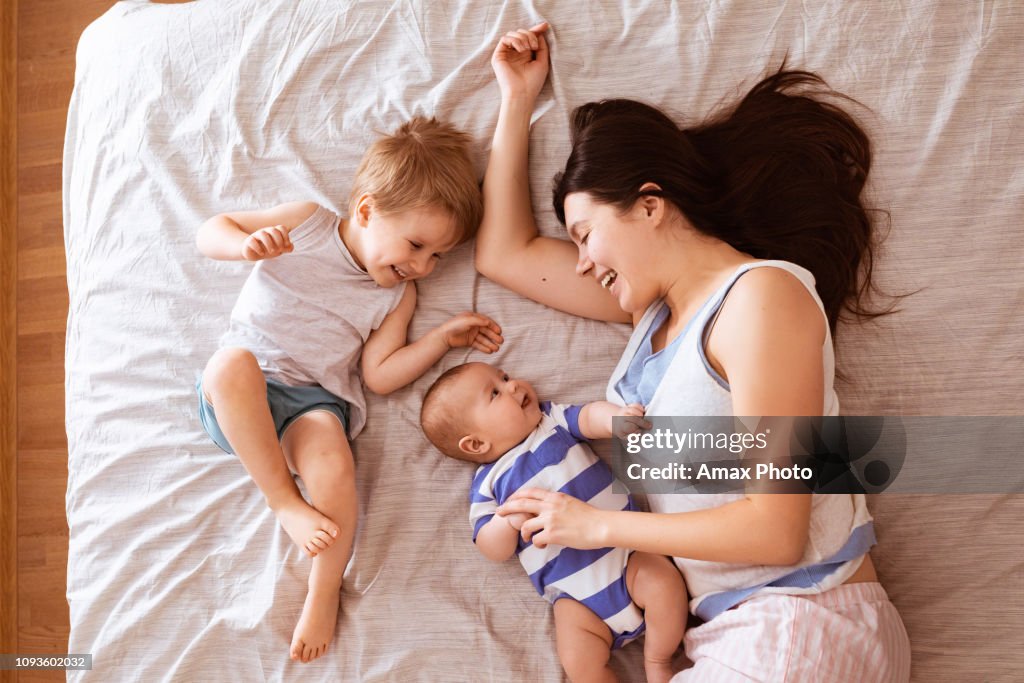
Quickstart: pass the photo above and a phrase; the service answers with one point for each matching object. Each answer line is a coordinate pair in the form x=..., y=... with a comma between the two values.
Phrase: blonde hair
x=425, y=163
x=444, y=424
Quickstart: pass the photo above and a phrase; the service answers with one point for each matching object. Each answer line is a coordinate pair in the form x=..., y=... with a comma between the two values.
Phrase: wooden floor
x=47, y=34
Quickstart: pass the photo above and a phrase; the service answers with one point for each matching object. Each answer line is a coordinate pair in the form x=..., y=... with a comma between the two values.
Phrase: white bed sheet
x=178, y=571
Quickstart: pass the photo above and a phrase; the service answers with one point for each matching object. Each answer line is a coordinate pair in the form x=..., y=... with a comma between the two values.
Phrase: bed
x=178, y=571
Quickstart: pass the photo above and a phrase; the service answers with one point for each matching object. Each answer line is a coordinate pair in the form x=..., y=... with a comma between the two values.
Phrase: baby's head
x=476, y=412
x=416, y=195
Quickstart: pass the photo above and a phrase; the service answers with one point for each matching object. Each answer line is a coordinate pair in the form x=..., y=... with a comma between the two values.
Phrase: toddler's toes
x=303, y=523
x=331, y=528
x=323, y=539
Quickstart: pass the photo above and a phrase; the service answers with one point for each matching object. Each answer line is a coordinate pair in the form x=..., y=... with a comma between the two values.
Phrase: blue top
x=647, y=368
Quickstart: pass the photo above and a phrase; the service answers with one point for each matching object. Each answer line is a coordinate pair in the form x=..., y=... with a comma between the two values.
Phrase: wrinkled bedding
x=178, y=571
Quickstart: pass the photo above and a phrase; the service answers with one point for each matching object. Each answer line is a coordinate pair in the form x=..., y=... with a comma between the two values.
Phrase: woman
x=732, y=248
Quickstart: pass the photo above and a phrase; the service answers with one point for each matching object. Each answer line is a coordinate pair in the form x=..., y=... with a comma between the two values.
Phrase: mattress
x=178, y=571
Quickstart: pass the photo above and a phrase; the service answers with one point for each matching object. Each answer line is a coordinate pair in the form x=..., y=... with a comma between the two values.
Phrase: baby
x=602, y=598
x=328, y=297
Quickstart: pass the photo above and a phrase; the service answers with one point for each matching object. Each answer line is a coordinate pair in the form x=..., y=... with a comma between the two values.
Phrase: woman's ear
x=652, y=206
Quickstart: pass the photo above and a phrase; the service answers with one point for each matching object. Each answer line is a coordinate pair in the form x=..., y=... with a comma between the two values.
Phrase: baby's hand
x=517, y=519
x=520, y=61
x=634, y=422
x=267, y=243
x=472, y=329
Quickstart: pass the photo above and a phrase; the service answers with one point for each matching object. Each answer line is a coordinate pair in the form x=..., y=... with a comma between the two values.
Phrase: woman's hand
x=520, y=62
x=471, y=329
x=557, y=518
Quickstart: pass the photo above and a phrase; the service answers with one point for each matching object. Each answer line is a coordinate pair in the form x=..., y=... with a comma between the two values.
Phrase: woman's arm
x=761, y=529
x=509, y=249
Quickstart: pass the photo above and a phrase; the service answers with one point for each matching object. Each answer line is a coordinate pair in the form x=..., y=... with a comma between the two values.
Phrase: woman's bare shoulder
x=775, y=299
x=767, y=344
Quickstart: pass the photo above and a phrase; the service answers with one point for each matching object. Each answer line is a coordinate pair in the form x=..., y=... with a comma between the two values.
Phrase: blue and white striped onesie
x=556, y=457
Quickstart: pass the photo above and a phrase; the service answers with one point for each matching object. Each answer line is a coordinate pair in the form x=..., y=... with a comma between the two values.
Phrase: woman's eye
x=437, y=256
x=504, y=378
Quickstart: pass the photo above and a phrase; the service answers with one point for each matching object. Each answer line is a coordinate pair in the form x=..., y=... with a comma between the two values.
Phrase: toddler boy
x=327, y=297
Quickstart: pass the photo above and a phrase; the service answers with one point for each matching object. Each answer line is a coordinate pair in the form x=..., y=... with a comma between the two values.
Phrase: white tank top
x=305, y=315
x=690, y=387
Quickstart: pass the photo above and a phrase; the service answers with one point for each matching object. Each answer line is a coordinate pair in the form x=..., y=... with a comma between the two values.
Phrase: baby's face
x=499, y=410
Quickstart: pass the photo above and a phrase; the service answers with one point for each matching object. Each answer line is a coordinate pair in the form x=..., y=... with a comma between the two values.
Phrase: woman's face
x=615, y=248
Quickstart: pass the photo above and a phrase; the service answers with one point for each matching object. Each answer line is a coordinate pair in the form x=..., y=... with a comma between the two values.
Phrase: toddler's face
x=499, y=409
x=406, y=245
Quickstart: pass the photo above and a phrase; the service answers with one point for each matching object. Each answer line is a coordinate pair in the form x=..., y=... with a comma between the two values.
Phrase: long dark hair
x=777, y=176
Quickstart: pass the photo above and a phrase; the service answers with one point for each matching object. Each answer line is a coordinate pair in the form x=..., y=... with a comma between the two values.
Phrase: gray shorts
x=287, y=404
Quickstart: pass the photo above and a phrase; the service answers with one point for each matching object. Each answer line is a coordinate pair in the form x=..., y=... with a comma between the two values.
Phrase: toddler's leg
x=234, y=385
x=657, y=587
x=584, y=643
x=318, y=446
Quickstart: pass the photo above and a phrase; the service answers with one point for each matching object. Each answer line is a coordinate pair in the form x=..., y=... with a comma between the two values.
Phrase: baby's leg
x=657, y=587
x=234, y=385
x=318, y=446
x=584, y=642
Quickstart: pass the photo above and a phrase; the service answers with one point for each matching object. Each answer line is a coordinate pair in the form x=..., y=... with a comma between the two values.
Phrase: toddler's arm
x=252, y=235
x=596, y=419
x=389, y=362
x=497, y=539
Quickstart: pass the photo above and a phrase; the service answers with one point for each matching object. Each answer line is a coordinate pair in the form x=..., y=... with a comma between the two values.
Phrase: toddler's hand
x=266, y=243
x=472, y=329
x=634, y=422
x=520, y=61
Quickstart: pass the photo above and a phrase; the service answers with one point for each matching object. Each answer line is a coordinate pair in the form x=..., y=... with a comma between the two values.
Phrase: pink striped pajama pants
x=851, y=633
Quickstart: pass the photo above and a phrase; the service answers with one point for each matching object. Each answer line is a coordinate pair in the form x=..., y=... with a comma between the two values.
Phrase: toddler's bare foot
x=657, y=672
x=315, y=629
x=309, y=530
